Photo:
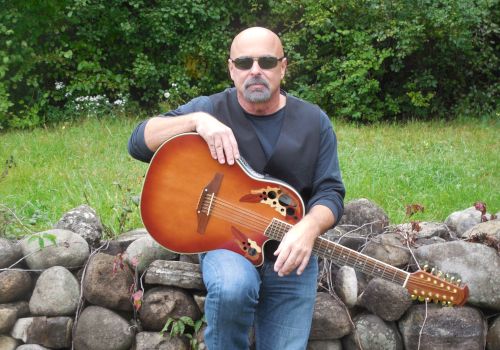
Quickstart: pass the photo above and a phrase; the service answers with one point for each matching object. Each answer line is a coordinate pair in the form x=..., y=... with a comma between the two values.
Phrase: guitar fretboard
x=341, y=255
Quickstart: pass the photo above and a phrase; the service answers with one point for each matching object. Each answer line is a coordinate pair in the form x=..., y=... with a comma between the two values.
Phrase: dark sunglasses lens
x=268, y=62
x=243, y=62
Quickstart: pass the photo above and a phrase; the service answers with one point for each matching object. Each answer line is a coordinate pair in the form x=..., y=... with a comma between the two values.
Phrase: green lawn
x=443, y=166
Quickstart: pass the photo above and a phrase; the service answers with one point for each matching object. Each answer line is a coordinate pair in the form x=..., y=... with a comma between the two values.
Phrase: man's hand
x=296, y=247
x=219, y=137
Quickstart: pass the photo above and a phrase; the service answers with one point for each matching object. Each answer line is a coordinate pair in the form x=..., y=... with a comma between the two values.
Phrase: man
x=279, y=135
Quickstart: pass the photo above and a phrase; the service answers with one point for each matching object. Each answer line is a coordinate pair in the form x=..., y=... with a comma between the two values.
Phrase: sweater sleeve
x=137, y=147
x=328, y=188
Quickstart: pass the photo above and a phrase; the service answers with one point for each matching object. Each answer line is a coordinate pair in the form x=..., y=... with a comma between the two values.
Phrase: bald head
x=254, y=41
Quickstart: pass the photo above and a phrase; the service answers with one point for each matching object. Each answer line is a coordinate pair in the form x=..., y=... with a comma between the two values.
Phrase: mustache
x=256, y=80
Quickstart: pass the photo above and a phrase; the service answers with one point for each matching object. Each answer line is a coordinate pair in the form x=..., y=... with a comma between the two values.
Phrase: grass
x=443, y=166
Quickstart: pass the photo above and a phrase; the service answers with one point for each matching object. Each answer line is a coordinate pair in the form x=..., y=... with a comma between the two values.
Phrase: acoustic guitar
x=192, y=204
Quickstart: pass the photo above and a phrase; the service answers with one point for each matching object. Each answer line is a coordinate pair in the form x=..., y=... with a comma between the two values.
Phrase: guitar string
x=374, y=265
x=245, y=214
x=225, y=209
x=370, y=265
x=236, y=216
x=260, y=224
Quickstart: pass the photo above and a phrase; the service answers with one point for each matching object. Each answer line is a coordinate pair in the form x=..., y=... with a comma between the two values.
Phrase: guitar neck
x=341, y=255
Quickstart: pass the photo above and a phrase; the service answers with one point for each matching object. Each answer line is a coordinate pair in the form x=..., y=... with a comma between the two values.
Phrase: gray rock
x=161, y=303
x=9, y=313
x=463, y=220
x=324, y=345
x=20, y=329
x=14, y=285
x=200, y=301
x=374, y=334
x=84, y=221
x=121, y=243
x=477, y=264
x=31, y=347
x=101, y=329
x=387, y=300
x=346, y=286
x=70, y=251
x=52, y=332
x=427, y=230
x=154, y=340
x=366, y=216
x=348, y=236
x=145, y=250
x=330, y=319
x=388, y=248
x=460, y=328
x=175, y=273
x=56, y=293
x=7, y=343
x=484, y=231
x=493, y=338
x=10, y=252
x=107, y=288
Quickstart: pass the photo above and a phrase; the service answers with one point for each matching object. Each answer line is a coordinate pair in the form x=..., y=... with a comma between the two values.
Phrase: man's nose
x=255, y=67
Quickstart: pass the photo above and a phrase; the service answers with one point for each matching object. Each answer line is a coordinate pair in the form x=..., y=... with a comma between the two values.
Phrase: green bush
x=362, y=60
x=372, y=59
x=55, y=52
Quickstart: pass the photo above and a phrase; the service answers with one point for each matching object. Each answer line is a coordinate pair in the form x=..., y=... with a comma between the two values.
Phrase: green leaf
x=68, y=54
x=187, y=320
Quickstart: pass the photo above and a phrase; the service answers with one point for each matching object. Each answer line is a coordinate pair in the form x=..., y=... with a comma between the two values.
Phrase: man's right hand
x=220, y=138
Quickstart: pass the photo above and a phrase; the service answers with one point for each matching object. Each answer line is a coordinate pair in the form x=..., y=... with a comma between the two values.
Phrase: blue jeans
x=241, y=295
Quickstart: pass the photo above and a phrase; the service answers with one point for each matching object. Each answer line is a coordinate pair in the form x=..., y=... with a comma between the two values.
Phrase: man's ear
x=230, y=67
x=284, y=65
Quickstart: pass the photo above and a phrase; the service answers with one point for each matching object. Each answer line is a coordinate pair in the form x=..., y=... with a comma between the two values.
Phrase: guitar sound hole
x=285, y=200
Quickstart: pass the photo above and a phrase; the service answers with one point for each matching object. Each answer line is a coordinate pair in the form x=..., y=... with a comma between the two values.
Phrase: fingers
x=220, y=139
x=223, y=147
x=290, y=259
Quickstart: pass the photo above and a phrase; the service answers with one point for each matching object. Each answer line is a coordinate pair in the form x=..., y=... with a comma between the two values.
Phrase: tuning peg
x=421, y=298
x=444, y=303
x=452, y=279
x=459, y=281
x=449, y=303
x=426, y=267
x=440, y=273
x=414, y=297
x=433, y=270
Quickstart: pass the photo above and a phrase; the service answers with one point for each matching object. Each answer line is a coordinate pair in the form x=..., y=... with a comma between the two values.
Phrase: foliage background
x=361, y=60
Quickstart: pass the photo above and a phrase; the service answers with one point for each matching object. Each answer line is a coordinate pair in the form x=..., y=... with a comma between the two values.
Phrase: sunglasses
x=265, y=62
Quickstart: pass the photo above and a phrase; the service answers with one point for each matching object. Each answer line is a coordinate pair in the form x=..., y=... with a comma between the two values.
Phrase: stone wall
x=78, y=292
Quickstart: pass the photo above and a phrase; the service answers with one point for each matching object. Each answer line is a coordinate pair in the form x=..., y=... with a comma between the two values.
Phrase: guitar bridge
x=206, y=202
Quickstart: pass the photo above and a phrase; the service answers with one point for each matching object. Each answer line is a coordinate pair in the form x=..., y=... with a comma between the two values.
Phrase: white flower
x=166, y=94
x=59, y=85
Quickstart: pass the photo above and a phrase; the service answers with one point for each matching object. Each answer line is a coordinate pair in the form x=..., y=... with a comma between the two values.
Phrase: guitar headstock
x=427, y=286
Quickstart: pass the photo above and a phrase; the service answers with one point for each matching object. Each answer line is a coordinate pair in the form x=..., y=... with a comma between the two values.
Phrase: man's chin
x=257, y=96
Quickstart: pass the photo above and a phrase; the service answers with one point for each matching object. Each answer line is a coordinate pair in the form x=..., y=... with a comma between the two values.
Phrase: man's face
x=254, y=83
